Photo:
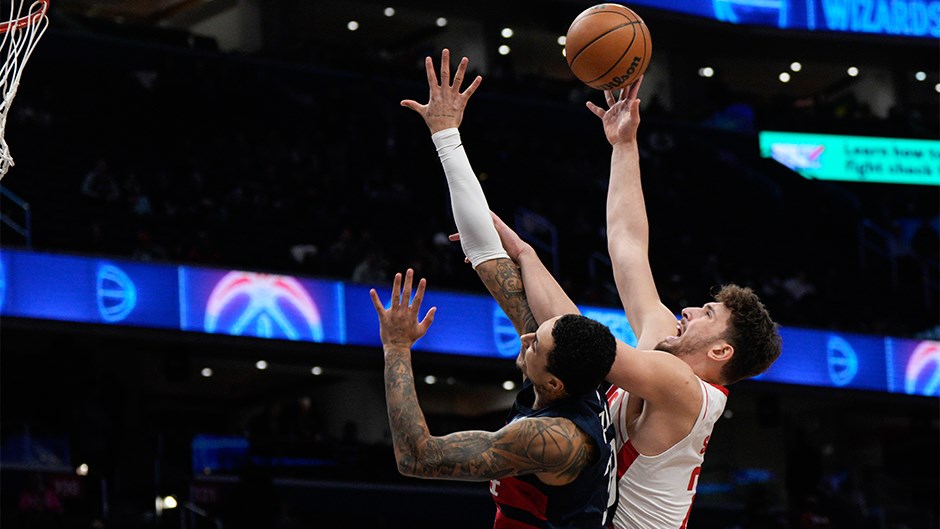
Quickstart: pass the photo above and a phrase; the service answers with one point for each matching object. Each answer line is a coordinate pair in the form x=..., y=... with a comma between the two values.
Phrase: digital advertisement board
x=280, y=307
x=855, y=158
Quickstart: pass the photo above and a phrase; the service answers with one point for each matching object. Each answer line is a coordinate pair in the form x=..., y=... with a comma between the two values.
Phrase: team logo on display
x=798, y=156
x=922, y=375
x=841, y=360
x=264, y=306
x=115, y=293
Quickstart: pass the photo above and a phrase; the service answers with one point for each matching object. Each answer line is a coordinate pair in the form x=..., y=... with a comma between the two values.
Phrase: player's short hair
x=751, y=331
x=583, y=352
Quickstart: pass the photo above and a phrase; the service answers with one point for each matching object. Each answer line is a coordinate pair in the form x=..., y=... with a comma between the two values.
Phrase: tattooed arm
x=554, y=448
x=503, y=279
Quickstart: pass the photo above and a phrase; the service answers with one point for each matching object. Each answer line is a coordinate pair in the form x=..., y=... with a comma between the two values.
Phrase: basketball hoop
x=21, y=31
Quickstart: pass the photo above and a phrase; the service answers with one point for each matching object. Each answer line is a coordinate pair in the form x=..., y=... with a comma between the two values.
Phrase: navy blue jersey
x=524, y=502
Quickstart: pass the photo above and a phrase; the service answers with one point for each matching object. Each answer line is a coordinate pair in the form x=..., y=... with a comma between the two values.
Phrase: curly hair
x=753, y=334
x=583, y=353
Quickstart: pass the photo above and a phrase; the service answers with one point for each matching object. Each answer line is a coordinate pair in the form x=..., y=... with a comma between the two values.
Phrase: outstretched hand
x=399, y=326
x=622, y=116
x=446, y=103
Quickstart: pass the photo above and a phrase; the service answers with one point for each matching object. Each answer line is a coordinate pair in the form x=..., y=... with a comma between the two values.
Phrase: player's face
x=533, y=357
x=698, y=330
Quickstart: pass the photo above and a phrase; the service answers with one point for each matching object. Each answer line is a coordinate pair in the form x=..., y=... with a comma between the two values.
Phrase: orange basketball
x=608, y=46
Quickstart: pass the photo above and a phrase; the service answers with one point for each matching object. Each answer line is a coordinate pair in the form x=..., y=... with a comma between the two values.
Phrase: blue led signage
x=271, y=306
x=902, y=18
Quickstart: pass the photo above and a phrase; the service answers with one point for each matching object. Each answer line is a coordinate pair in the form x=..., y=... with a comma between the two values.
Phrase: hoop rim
x=30, y=18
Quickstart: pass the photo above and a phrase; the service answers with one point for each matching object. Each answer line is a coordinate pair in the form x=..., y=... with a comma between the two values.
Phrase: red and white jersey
x=656, y=492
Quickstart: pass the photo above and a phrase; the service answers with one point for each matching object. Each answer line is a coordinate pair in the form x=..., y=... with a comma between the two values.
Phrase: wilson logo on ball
x=627, y=76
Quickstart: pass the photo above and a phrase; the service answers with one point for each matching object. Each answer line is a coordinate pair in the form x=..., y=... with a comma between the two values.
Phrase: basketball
x=608, y=46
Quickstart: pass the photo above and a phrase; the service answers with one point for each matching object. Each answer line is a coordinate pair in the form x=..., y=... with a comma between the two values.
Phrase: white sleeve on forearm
x=478, y=236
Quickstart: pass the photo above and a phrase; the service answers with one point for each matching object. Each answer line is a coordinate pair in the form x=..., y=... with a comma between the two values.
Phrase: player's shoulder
x=553, y=438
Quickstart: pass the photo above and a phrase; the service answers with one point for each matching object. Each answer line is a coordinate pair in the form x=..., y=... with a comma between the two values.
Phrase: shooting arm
x=628, y=244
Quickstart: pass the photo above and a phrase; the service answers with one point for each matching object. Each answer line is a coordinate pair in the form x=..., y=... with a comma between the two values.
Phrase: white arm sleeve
x=478, y=236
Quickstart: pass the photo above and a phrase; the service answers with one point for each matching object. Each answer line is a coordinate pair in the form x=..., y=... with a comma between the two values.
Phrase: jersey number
x=693, y=481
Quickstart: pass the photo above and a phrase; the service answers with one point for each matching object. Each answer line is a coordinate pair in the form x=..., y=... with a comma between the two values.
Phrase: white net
x=25, y=25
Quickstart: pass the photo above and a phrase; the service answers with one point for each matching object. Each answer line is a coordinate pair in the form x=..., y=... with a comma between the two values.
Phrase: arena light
x=504, y=49
x=561, y=40
x=352, y=25
x=389, y=11
x=796, y=66
x=509, y=385
x=784, y=77
x=441, y=22
x=261, y=365
x=316, y=370
x=430, y=380
x=852, y=71
x=706, y=71
x=506, y=33
x=165, y=503
x=920, y=76
x=206, y=372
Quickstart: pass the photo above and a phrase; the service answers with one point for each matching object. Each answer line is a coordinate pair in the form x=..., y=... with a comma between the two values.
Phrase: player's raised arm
x=443, y=114
x=627, y=224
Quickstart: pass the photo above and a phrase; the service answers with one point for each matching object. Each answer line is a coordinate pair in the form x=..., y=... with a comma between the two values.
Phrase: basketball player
x=667, y=392
x=552, y=465
x=666, y=401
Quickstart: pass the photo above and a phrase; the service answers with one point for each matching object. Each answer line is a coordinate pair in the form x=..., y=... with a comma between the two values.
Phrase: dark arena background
x=168, y=150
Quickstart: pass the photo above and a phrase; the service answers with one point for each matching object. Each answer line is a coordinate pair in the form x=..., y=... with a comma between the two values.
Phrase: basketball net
x=21, y=32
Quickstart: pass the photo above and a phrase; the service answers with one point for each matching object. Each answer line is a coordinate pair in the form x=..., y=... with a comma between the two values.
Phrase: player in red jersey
x=668, y=391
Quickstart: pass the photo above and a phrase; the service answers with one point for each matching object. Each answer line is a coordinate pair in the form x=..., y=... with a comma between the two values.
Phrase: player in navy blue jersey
x=552, y=465
x=558, y=417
